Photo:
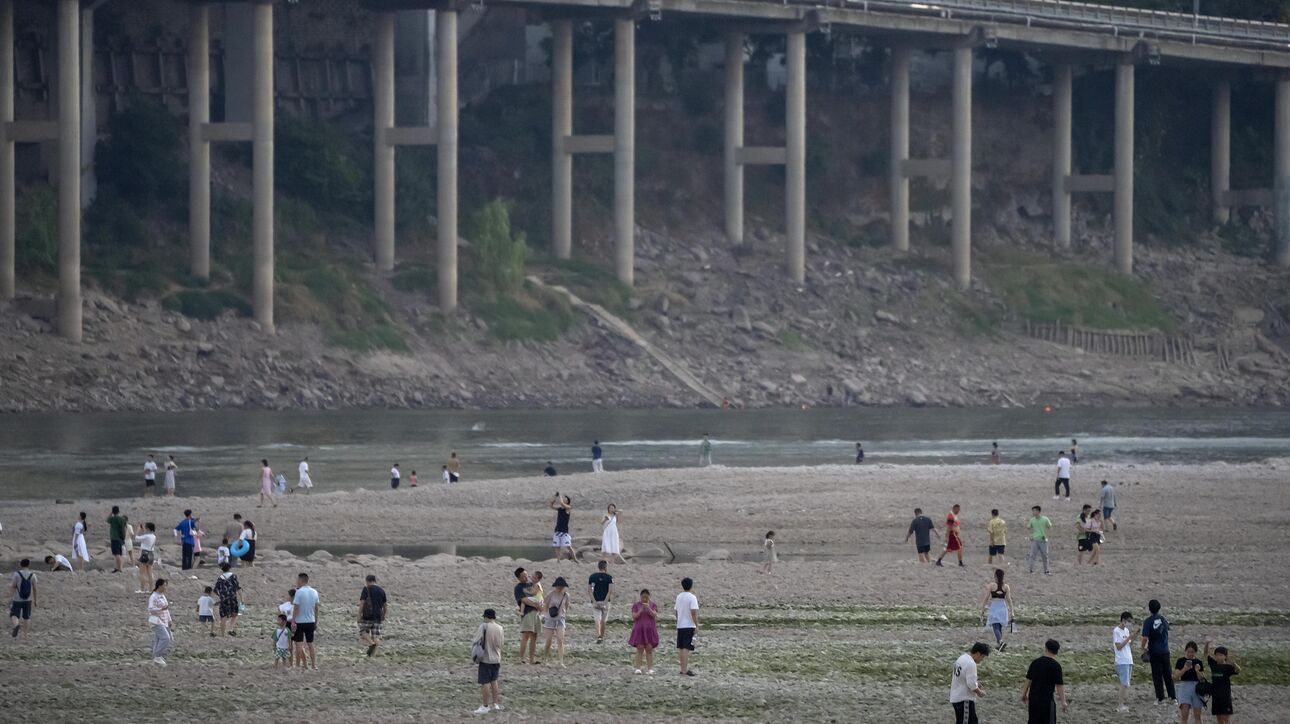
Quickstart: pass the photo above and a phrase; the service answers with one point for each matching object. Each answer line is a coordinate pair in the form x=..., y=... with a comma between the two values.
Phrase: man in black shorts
x=488, y=654
x=371, y=614
x=306, y=611
x=687, y=624
x=1222, y=667
x=922, y=528
x=1043, y=680
x=23, y=589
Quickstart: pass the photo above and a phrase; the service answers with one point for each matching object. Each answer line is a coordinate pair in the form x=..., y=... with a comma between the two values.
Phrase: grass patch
x=527, y=314
x=972, y=319
x=415, y=278
x=592, y=283
x=1044, y=292
x=205, y=304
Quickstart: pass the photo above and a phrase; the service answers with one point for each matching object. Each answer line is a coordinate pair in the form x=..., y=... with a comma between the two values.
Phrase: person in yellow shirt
x=997, y=529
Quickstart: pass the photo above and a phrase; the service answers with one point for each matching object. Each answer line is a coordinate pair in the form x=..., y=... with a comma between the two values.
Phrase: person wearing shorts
x=488, y=639
x=371, y=614
x=1122, y=644
x=922, y=528
x=527, y=606
x=149, y=477
x=687, y=624
x=306, y=608
x=1106, y=498
x=560, y=539
x=600, y=589
x=953, y=543
x=997, y=529
x=20, y=607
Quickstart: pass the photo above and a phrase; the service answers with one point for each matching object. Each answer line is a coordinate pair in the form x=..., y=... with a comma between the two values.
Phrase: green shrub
x=205, y=304
x=113, y=222
x=320, y=165
x=415, y=278
x=36, y=240
x=501, y=255
x=140, y=159
x=1043, y=291
x=543, y=318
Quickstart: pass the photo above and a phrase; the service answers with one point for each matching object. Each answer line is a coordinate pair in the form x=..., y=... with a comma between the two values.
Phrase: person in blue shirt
x=597, y=465
x=186, y=528
x=1155, y=649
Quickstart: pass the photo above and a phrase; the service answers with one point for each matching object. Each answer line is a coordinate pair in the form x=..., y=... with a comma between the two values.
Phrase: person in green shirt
x=116, y=535
x=1038, y=525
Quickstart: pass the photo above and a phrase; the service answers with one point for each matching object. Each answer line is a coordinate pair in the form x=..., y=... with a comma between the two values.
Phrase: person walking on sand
x=306, y=609
x=597, y=461
x=229, y=591
x=768, y=552
x=1074, y=451
x=560, y=539
x=610, y=545
x=371, y=614
x=997, y=608
x=644, y=636
x=22, y=597
x=116, y=535
x=995, y=457
x=79, y=549
x=159, y=619
x=1106, y=499
x=1093, y=534
x=171, y=470
x=394, y=477
x=454, y=467
x=1155, y=650
x=705, y=451
x=997, y=530
x=1122, y=645
x=1063, y=476
x=1082, y=544
x=250, y=536
x=687, y=624
x=149, y=476
x=1189, y=672
x=186, y=530
x=147, y=555
x=600, y=588
x=530, y=620
x=206, y=610
x=557, y=609
x=304, y=481
x=922, y=528
x=487, y=646
x=1043, y=681
x=282, y=644
x=412, y=479
x=953, y=540
x=964, y=686
x=266, y=484
x=1222, y=667
x=1038, y=525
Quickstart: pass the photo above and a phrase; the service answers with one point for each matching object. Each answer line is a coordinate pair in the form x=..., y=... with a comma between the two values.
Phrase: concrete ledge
x=411, y=136
x=31, y=131
x=761, y=155
x=1249, y=197
x=216, y=132
x=589, y=144
x=1089, y=183
x=926, y=167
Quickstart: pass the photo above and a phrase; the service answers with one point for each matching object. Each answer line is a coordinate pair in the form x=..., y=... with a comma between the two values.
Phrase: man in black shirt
x=1043, y=680
x=600, y=586
x=1222, y=667
x=550, y=470
x=560, y=540
x=371, y=614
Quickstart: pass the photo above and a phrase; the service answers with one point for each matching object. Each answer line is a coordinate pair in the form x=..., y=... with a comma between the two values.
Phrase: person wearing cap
x=488, y=644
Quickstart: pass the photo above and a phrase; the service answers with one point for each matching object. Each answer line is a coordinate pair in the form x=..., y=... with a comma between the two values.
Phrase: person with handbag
x=1189, y=672
x=557, y=608
x=486, y=651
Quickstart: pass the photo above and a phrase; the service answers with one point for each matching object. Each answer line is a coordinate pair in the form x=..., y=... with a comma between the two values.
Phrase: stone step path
x=625, y=330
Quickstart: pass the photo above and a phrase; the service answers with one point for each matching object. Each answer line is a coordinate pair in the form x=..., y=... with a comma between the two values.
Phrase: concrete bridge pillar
x=734, y=138
x=1062, y=155
x=8, y=208
x=624, y=149
x=795, y=157
x=69, y=169
x=383, y=152
x=961, y=168
x=1123, y=212
x=1220, y=153
x=262, y=168
x=1281, y=182
x=446, y=45
x=199, y=149
x=561, y=128
x=899, y=148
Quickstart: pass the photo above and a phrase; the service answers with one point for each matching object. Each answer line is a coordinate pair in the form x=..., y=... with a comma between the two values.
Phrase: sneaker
x=15, y=631
x=961, y=565
x=1123, y=709
x=1003, y=645
x=371, y=649
x=650, y=672
x=690, y=673
x=497, y=707
x=159, y=661
x=1068, y=499
x=1057, y=497
x=940, y=564
x=636, y=671
x=1048, y=573
x=482, y=710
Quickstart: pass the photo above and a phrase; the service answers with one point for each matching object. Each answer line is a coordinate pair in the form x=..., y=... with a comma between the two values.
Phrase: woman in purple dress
x=644, y=631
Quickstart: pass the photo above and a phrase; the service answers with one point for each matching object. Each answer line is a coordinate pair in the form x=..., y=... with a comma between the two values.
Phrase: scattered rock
x=888, y=317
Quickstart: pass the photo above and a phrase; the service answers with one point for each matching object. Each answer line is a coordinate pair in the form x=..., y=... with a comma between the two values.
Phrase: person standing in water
x=549, y=471
x=610, y=546
x=995, y=457
x=997, y=608
x=560, y=539
x=171, y=470
x=454, y=468
x=149, y=476
x=597, y=461
x=266, y=484
x=705, y=451
x=1074, y=450
x=304, y=480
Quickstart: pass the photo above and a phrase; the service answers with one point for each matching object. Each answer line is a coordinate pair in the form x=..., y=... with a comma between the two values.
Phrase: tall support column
x=795, y=158
x=734, y=138
x=899, y=148
x=446, y=45
x=383, y=154
x=625, y=150
x=961, y=169
x=1124, y=167
x=7, y=202
x=69, y=169
x=561, y=128
x=262, y=169
x=199, y=150
x=1061, y=154
x=1281, y=183
x=1220, y=154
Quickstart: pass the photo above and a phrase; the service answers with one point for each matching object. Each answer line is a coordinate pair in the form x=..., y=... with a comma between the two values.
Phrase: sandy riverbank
x=858, y=636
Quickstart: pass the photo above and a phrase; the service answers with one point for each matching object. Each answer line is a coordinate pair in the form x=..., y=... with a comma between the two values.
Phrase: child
x=221, y=554
x=414, y=478
x=282, y=485
x=769, y=545
x=206, y=610
x=447, y=477
x=537, y=591
x=198, y=554
x=1222, y=667
x=287, y=609
x=282, y=643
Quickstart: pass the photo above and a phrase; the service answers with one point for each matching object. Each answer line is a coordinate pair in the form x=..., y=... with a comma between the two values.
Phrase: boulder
x=742, y=322
x=885, y=316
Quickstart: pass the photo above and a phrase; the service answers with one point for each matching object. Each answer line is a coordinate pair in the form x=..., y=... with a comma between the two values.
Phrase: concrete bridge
x=1067, y=33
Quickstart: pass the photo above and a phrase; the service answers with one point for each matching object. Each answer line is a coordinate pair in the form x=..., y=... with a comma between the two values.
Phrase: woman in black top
x=1222, y=666
x=1188, y=672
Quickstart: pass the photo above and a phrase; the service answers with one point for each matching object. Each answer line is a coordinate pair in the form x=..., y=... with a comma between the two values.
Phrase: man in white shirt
x=58, y=562
x=964, y=688
x=394, y=477
x=149, y=476
x=687, y=624
x=1122, y=642
x=1063, y=476
x=305, y=481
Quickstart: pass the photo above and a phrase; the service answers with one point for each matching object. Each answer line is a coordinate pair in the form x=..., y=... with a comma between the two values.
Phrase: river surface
x=218, y=453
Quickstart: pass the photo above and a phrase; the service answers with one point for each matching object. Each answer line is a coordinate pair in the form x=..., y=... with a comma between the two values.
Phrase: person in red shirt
x=953, y=541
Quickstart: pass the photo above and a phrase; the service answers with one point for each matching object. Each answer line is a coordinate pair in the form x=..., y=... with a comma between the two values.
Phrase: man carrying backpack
x=23, y=587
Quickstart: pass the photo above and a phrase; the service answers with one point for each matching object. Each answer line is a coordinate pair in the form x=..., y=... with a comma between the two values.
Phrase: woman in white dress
x=79, y=550
x=610, y=546
x=171, y=469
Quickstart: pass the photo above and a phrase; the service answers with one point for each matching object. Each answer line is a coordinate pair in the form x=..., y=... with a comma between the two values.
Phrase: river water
x=218, y=453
